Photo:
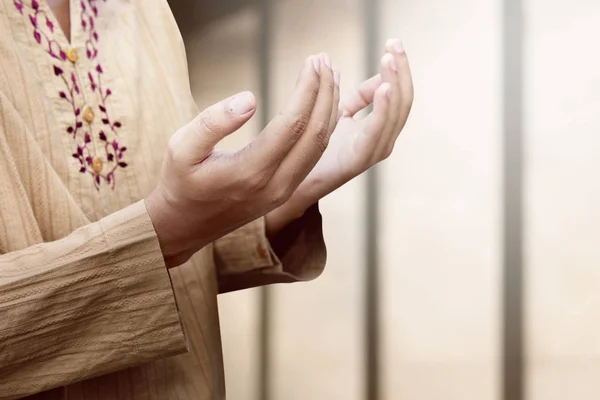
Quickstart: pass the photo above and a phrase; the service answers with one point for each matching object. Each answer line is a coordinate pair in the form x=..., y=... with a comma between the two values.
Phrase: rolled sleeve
x=246, y=258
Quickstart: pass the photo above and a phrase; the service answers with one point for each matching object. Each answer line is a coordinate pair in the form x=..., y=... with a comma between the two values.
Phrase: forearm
x=85, y=305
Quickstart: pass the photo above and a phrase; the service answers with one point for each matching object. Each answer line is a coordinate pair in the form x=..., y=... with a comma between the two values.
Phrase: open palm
x=358, y=144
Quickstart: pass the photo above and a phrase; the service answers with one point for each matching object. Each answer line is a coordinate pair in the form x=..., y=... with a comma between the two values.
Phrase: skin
x=205, y=193
x=60, y=9
x=357, y=144
x=294, y=163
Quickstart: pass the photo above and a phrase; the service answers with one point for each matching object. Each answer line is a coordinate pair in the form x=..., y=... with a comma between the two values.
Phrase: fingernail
x=316, y=63
x=391, y=61
x=326, y=59
x=336, y=77
x=398, y=46
x=241, y=103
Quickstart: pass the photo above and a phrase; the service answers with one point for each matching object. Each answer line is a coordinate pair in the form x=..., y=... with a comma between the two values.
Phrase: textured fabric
x=298, y=254
x=91, y=303
x=86, y=303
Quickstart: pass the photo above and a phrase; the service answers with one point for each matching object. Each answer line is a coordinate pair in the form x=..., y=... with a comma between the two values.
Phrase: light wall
x=441, y=234
x=563, y=199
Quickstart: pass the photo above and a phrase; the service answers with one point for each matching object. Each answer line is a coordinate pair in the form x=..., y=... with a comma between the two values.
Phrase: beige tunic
x=84, y=291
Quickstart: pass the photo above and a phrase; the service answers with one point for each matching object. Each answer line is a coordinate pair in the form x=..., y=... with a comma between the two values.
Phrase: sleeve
x=96, y=301
x=245, y=258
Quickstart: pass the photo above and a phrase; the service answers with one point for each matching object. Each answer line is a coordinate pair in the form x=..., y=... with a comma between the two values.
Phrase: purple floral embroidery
x=69, y=96
x=95, y=78
x=40, y=34
x=89, y=163
x=87, y=15
x=19, y=5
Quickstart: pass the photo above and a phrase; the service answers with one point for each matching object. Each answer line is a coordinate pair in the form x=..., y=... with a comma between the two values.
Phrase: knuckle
x=314, y=87
x=256, y=182
x=171, y=149
x=298, y=125
x=174, y=152
x=207, y=123
x=279, y=196
x=322, y=136
x=387, y=152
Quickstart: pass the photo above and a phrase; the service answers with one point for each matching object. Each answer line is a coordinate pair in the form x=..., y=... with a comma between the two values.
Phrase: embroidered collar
x=98, y=152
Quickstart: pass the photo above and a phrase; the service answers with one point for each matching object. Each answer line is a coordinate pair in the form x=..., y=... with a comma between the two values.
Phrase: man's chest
x=100, y=104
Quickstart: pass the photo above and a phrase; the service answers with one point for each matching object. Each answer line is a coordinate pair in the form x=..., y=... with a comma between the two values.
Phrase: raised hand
x=205, y=193
x=357, y=144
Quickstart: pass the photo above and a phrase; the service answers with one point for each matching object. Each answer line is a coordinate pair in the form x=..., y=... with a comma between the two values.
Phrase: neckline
x=60, y=35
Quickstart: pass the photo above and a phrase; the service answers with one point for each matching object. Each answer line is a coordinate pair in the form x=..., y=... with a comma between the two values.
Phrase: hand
x=205, y=193
x=356, y=145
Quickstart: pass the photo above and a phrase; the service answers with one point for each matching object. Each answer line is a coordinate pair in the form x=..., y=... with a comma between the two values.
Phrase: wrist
x=174, y=242
x=285, y=214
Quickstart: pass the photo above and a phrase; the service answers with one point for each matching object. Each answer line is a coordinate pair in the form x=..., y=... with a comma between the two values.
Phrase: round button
x=97, y=164
x=72, y=55
x=88, y=115
x=261, y=252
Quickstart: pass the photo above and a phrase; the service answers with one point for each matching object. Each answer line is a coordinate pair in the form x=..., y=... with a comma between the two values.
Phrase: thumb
x=196, y=140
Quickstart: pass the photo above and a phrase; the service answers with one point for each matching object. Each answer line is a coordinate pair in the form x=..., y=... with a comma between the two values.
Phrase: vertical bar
x=513, y=328
x=265, y=311
x=371, y=318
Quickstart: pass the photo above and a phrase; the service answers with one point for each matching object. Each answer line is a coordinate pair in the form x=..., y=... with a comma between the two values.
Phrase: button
x=72, y=55
x=88, y=115
x=97, y=164
x=261, y=252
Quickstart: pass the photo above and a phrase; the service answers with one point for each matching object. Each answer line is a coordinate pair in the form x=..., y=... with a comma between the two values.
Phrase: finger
x=283, y=132
x=405, y=83
x=194, y=142
x=389, y=73
x=336, y=101
x=303, y=157
x=363, y=97
x=374, y=124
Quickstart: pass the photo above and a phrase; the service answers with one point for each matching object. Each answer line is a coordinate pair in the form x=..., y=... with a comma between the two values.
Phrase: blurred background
x=467, y=266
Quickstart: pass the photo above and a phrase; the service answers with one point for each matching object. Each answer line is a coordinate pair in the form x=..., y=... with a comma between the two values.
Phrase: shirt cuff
x=155, y=326
x=246, y=258
x=244, y=250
